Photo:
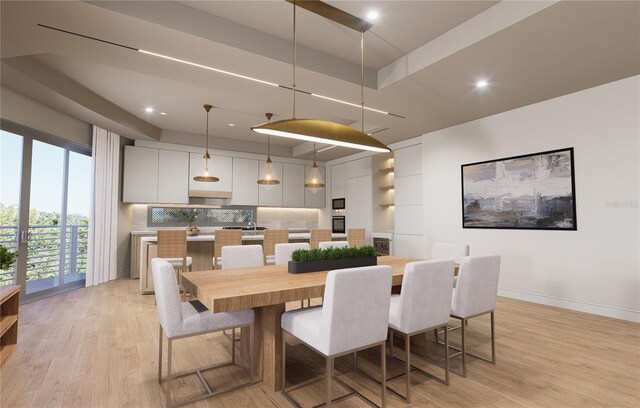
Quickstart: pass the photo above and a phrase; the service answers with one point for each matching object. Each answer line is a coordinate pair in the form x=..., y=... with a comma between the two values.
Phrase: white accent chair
x=333, y=244
x=423, y=304
x=242, y=256
x=185, y=319
x=475, y=295
x=354, y=316
x=284, y=251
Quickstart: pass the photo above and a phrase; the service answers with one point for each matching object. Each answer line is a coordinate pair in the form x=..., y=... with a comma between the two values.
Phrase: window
x=203, y=217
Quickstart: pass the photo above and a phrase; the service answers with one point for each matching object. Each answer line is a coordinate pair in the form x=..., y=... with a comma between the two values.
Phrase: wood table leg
x=268, y=319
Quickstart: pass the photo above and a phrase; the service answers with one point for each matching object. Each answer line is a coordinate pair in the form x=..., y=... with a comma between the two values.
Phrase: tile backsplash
x=272, y=218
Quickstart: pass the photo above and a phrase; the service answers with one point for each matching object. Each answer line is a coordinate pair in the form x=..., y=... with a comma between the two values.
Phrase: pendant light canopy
x=268, y=175
x=322, y=131
x=314, y=179
x=206, y=177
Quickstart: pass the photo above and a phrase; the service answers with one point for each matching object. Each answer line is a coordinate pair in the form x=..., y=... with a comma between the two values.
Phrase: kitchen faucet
x=255, y=226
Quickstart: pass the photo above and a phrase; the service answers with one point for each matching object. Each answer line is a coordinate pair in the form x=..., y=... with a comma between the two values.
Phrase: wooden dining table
x=266, y=289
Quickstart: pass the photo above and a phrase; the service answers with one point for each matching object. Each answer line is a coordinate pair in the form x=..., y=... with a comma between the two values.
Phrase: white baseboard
x=608, y=311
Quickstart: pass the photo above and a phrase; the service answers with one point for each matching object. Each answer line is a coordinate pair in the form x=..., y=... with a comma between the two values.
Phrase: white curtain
x=104, y=208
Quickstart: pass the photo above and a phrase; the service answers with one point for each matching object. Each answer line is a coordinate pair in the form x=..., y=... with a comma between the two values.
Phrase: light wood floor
x=98, y=347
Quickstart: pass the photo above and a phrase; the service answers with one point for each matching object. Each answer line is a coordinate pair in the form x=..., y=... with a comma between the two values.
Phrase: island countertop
x=245, y=237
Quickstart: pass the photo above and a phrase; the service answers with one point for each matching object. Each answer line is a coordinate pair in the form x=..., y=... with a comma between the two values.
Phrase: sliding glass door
x=44, y=213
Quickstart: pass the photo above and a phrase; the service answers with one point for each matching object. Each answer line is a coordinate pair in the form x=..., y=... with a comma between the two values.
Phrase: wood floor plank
x=98, y=347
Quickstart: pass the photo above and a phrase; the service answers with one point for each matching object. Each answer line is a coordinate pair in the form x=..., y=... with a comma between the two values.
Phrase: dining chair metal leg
x=391, y=345
x=160, y=356
x=383, y=367
x=407, y=346
x=464, y=349
x=233, y=346
x=446, y=355
x=493, y=339
x=168, y=379
x=328, y=373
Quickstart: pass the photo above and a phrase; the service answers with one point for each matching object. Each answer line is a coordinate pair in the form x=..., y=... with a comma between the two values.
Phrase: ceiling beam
x=334, y=14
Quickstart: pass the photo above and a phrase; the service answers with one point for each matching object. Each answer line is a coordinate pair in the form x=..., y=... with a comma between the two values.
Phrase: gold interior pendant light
x=322, y=131
x=268, y=175
x=206, y=177
x=314, y=180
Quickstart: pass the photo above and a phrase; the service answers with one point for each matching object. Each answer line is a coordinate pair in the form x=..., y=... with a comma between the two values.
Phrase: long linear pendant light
x=206, y=177
x=322, y=131
x=268, y=176
x=314, y=180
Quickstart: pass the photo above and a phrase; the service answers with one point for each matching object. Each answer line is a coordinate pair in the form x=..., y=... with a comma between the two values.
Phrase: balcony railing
x=49, y=253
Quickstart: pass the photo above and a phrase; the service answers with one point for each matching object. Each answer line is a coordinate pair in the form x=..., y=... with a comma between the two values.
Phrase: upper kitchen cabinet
x=219, y=166
x=292, y=181
x=245, y=186
x=271, y=195
x=352, y=168
x=364, y=167
x=408, y=161
x=173, y=177
x=140, y=181
x=315, y=197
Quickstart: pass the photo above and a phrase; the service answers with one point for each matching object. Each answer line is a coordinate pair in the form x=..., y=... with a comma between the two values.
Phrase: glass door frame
x=30, y=135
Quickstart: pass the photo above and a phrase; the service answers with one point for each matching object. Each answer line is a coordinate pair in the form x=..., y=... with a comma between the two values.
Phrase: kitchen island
x=199, y=247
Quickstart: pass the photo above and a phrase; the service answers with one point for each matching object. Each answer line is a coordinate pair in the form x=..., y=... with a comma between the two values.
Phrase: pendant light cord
x=294, y=60
x=362, y=79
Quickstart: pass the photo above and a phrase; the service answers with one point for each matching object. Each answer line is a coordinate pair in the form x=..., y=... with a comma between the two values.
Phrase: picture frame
x=534, y=191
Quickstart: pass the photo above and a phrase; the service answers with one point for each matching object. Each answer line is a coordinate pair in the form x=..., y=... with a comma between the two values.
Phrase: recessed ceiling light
x=372, y=15
x=231, y=124
x=163, y=113
x=482, y=83
x=148, y=110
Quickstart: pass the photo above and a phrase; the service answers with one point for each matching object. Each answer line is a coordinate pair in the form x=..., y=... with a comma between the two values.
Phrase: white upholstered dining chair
x=354, y=316
x=179, y=320
x=242, y=256
x=424, y=304
x=284, y=251
x=475, y=295
x=333, y=244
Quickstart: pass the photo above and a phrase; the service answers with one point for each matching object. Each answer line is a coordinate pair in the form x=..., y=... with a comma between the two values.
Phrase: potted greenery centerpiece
x=313, y=260
x=7, y=258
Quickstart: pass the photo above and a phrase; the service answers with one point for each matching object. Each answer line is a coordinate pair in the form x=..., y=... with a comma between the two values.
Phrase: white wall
x=594, y=269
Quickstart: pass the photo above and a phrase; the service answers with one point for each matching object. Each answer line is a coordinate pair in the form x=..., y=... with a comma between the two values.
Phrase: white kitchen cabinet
x=292, y=181
x=271, y=195
x=408, y=161
x=245, y=182
x=351, y=169
x=316, y=197
x=408, y=190
x=338, y=181
x=364, y=167
x=352, y=215
x=219, y=166
x=173, y=177
x=365, y=206
x=140, y=181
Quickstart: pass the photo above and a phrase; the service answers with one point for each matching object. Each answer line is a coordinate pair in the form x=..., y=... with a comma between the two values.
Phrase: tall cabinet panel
x=271, y=195
x=292, y=185
x=314, y=198
x=352, y=217
x=140, y=175
x=173, y=177
x=338, y=181
x=245, y=186
x=365, y=206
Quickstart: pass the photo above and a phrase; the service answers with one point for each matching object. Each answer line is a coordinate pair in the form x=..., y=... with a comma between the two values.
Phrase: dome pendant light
x=268, y=175
x=314, y=180
x=322, y=131
x=206, y=177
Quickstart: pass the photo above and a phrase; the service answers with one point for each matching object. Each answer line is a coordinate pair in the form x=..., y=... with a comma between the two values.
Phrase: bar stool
x=318, y=235
x=272, y=237
x=354, y=317
x=180, y=320
x=172, y=247
x=356, y=237
x=223, y=238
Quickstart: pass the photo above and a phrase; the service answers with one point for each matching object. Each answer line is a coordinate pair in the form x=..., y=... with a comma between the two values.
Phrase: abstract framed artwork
x=532, y=191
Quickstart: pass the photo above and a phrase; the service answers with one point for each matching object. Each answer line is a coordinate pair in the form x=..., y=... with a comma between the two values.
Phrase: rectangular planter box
x=331, y=264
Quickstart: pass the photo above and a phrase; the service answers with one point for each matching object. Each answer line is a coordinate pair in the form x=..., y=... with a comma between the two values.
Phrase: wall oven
x=338, y=204
x=338, y=224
